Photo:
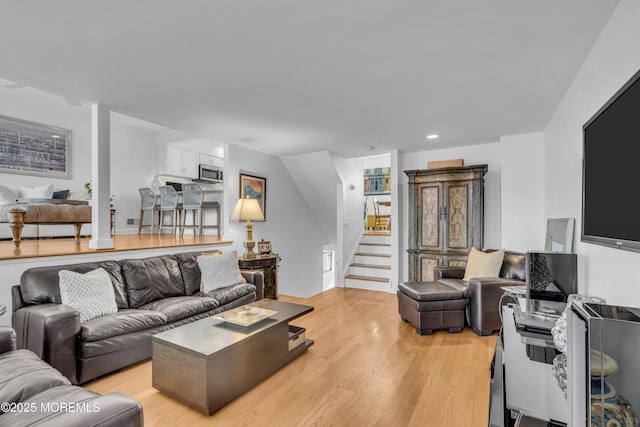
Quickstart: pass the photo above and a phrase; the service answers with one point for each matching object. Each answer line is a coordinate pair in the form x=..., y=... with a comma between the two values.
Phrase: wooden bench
x=45, y=212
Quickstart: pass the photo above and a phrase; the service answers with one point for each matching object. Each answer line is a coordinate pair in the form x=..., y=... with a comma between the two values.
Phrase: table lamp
x=246, y=210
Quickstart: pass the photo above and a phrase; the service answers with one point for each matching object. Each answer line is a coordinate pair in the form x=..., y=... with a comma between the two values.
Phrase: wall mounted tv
x=610, y=171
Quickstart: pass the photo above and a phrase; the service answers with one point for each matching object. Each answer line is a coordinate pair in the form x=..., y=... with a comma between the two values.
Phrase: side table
x=268, y=264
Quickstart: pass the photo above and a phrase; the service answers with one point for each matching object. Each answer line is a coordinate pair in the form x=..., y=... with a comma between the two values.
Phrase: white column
x=100, y=178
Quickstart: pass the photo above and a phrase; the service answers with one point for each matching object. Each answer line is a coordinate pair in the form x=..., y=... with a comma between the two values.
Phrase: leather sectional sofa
x=152, y=295
x=32, y=392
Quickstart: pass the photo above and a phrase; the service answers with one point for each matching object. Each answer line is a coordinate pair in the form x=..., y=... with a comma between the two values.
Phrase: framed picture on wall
x=34, y=149
x=254, y=187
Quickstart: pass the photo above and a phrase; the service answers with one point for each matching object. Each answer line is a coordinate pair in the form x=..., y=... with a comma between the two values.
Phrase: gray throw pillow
x=219, y=271
x=90, y=293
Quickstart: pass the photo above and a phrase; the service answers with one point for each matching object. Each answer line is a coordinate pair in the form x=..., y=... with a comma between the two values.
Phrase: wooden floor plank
x=367, y=368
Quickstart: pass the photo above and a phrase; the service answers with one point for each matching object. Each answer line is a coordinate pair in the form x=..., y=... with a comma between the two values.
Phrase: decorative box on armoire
x=446, y=217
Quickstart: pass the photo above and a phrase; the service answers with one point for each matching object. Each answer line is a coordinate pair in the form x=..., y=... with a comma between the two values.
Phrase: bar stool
x=193, y=200
x=150, y=204
x=169, y=205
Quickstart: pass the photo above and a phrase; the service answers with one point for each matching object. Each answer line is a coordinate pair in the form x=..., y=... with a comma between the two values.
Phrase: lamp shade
x=247, y=209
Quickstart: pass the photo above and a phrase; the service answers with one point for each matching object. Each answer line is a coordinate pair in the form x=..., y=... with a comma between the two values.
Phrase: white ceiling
x=290, y=76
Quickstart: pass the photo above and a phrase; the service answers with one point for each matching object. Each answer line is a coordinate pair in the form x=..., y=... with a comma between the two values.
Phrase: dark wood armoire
x=446, y=217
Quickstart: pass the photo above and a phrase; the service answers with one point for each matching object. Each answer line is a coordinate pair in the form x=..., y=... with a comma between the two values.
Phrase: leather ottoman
x=431, y=305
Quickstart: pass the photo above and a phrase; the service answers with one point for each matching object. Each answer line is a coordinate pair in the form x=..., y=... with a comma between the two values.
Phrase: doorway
x=377, y=194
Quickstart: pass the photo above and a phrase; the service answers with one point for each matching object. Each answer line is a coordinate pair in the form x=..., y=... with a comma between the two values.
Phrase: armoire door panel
x=455, y=261
x=427, y=265
x=458, y=216
x=430, y=225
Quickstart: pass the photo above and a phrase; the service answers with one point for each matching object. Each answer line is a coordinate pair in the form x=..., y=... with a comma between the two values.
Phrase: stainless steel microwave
x=208, y=173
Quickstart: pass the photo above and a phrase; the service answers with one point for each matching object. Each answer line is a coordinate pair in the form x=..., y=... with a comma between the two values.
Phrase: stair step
x=374, y=249
x=376, y=271
x=368, y=278
x=375, y=244
x=368, y=238
x=358, y=264
x=370, y=254
x=377, y=232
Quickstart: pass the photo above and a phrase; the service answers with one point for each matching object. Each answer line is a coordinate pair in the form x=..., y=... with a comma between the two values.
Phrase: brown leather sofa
x=32, y=392
x=152, y=295
x=484, y=293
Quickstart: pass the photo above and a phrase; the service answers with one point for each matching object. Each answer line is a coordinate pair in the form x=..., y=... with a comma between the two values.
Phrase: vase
x=155, y=184
x=609, y=408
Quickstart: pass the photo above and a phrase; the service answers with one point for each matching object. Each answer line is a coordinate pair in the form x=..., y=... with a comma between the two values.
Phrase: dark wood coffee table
x=208, y=363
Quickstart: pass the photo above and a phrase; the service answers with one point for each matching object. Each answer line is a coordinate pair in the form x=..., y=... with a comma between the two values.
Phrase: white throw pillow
x=81, y=194
x=43, y=192
x=219, y=271
x=90, y=293
x=483, y=264
x=7, y=197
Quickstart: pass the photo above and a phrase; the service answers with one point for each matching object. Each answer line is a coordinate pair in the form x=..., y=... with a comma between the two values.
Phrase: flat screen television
x=551, y=276
x=610, y=165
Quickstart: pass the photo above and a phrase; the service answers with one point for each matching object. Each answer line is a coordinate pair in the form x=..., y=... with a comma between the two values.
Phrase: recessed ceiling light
x=433, y=136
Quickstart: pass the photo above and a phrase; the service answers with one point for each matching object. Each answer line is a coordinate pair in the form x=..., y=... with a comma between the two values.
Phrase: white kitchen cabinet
x=205, y=159
x=182, y=162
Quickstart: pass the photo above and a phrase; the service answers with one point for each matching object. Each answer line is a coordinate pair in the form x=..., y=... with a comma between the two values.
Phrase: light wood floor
x=367, y=368
x=34, y=248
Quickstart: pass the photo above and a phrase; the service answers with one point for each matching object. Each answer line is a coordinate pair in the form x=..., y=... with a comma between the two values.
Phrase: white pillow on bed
x=7, y=197
x=43, y=192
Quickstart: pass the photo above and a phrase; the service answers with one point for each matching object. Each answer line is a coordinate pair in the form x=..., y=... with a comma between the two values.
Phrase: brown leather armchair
x=484, y=293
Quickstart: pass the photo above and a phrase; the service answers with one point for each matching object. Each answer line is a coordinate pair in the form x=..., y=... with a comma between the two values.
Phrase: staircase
x=371, y=268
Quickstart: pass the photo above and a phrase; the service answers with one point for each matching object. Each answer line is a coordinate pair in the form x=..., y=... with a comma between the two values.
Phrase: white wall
x=350, y=212
x=615, y=57
x=290, y=226
x=202, y=146
x=522, y=192
x=377, y=161
x=316, y=177
x=128, y=173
